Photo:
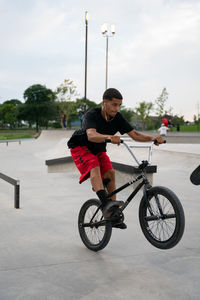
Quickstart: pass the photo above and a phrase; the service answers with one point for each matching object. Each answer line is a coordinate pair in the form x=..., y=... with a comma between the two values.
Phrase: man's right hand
x=115, y=139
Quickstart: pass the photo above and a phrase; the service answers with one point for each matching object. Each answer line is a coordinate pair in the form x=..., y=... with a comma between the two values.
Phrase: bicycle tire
x=162, y=232
x=94, y=237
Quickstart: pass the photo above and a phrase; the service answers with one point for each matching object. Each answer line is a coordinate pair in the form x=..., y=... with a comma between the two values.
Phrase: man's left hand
x=159, y=140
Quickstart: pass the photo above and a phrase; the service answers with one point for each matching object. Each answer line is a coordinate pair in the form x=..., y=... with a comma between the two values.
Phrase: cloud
x=156, y=45
x=33, y=28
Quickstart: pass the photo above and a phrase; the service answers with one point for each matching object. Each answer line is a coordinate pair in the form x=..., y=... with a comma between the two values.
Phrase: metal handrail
x=16, y=184
x=11, y=141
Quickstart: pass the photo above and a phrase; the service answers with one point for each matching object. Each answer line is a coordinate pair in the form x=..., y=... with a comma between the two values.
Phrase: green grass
x=9, y=134
x=188, y=128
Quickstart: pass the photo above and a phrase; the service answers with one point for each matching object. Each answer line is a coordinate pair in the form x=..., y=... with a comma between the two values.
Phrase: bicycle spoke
x=94, y=234
x=161, y=225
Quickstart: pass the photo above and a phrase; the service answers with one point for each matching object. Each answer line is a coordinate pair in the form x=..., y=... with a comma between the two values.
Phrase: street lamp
x=107, y=34
x=86, y=42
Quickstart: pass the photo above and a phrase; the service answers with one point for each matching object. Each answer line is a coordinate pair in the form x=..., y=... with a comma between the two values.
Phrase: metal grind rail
x=16, y=184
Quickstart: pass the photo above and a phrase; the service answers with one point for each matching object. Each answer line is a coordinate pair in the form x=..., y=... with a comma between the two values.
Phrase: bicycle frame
x=144, y=182
x=141, y=165
x=142, y=176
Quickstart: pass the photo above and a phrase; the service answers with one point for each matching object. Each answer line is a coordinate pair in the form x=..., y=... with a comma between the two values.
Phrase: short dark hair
x=111, y=93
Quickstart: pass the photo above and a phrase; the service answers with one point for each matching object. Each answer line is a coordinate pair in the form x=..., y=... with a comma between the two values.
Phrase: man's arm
x=95, y=137
x=140, y=137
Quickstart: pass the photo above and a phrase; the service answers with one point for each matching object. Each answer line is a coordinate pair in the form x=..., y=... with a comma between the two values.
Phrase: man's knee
x=95, y=178
x=110, y=174
x=95, y=172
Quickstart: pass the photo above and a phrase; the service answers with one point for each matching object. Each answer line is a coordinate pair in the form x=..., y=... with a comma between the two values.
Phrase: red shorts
x=85, y=161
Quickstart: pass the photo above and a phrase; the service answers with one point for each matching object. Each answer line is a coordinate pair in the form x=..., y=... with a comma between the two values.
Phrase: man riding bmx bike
x=88, y=147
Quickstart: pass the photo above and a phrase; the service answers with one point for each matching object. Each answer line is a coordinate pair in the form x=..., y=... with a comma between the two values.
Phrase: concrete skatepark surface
x=42, y=256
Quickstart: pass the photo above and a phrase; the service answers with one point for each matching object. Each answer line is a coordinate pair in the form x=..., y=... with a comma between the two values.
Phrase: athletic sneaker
x=109, y=206
x=119, y=225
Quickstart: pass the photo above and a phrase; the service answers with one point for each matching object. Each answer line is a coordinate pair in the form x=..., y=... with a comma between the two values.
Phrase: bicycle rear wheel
x=94, y=231
x=162, y=217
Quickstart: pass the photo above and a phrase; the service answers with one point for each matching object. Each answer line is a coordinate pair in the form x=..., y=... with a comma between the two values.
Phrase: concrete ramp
x=54, y=135
x=54, y=150
x=51, y=144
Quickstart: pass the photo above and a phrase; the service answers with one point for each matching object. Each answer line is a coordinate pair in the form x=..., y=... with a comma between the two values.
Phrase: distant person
x=178, y=127
x=170, y=125
x=165, y=122
x=163, y=130
x=63, y=120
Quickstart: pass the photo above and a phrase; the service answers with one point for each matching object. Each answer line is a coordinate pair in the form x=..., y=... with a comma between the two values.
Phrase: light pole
x=104, y=31
x=86, y=42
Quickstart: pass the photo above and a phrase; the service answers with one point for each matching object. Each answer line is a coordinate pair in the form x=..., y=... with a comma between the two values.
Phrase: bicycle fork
x=148, y=202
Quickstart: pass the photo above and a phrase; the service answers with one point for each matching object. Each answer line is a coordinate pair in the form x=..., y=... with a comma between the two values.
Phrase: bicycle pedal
x=119, y=225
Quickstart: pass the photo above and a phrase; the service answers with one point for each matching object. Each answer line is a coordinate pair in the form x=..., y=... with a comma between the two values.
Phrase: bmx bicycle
x=161, y=214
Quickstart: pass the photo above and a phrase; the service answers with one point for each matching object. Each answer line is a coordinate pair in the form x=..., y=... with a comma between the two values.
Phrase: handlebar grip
x=155, y=141
x=109, y=141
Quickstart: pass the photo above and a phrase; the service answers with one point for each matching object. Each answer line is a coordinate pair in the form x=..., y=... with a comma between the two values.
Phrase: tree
x=128, y=113
x=143, y=111
x=66, y=90
x=196, y=119
x=8, y=112
x=80, y=109
x=160, y=103
x=64, y=94
x=90, y=104
x=15, y=102
x=39, y=105
x=176, y=120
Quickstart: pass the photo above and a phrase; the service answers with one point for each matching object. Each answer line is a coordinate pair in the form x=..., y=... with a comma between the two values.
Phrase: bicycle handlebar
x=122, y=141
x=131, y=152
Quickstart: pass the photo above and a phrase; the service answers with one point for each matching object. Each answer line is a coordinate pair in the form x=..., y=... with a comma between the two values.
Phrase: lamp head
x=86, y=17
x=104, y=28
x=113, y=29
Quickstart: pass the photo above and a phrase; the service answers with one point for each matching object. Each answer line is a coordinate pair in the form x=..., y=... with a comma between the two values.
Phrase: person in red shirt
x=165, y=122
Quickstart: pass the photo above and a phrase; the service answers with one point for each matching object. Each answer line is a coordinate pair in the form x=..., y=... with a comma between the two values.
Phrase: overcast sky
x=156, y=45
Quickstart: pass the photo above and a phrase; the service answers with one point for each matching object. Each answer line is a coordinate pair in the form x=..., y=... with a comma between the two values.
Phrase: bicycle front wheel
x=161, y=217
x=94, y=231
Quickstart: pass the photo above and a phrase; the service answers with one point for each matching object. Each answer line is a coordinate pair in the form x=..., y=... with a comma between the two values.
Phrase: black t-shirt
x=94, y=119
